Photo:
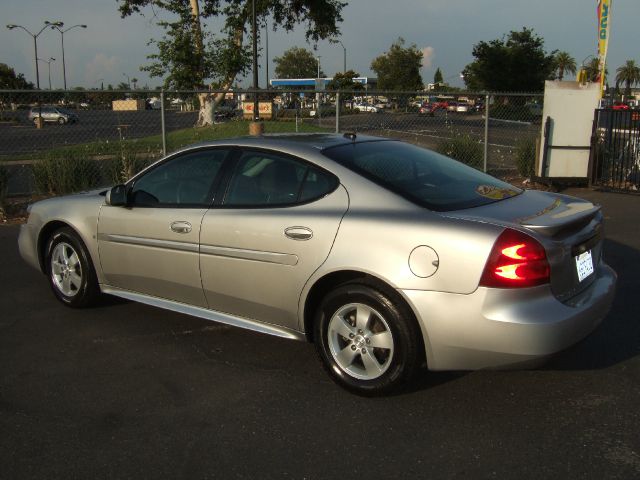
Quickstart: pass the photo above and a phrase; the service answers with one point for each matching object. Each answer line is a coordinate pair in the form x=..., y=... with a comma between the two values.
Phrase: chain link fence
x=57, y=142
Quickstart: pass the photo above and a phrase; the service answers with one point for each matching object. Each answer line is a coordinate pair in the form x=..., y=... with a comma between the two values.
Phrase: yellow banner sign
x=604, y=28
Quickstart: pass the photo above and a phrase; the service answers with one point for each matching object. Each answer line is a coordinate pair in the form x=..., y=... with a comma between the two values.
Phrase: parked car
x=462, y=107
x=384, y=254
x=620, y=106
x=365, y=107
x=53, y=114
x=428, y=109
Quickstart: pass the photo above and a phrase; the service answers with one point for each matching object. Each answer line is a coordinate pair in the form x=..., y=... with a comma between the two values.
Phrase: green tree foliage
x=344, y=81
x=629, y=74
x=10, y=81
x=297, y=63
x=517, y=63
x=437, y=77
x=191, y=57
x=564, y=63
x=399, y=68
x=592, y=69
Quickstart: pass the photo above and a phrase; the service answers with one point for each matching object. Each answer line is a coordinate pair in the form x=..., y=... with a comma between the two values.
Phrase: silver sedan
x=386, y=255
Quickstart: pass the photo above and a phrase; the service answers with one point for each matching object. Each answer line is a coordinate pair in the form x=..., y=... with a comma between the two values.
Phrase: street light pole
x=254, y=30
x=48, y=62
x=344, y=59
x=318, y=59
x=128, y=80
x=266, y=63
x=55, y=26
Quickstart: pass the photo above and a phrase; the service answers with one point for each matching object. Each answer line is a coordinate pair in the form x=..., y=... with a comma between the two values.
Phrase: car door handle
x=298, y=233
x=181, y=227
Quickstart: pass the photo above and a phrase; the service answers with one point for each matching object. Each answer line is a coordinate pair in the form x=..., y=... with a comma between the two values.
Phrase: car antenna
x=350, y=135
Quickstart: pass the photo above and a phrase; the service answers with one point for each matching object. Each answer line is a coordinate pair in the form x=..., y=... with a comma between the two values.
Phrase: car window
x=268, y=179
x=423, y=176
x=184, y=181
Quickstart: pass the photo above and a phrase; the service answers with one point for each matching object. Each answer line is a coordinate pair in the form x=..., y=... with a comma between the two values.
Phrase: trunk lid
x=567, y=227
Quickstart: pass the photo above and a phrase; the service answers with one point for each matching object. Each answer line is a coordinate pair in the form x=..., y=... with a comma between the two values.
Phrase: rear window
x=422, y=176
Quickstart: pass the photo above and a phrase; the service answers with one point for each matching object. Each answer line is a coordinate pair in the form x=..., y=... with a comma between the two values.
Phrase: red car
x=620, y=106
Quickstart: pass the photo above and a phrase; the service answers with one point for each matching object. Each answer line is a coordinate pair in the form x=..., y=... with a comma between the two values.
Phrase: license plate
x=584, y=265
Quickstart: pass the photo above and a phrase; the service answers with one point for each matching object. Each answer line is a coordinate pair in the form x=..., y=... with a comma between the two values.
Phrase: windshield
x=422, y=176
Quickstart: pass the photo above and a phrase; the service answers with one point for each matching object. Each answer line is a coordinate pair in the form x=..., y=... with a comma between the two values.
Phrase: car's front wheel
x=70, y=271
x=368, y=342
x=61, y=121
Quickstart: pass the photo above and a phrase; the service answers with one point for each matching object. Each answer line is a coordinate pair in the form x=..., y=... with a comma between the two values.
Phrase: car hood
x=543, y=212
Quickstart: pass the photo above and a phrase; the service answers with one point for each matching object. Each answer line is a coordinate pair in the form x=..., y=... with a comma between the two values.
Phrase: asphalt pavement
x=129, y=391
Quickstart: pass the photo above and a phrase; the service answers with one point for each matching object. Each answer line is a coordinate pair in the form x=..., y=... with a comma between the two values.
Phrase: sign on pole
x=604, y=28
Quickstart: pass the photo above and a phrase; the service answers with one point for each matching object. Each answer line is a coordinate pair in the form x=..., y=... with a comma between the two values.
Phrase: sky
x=111, y=49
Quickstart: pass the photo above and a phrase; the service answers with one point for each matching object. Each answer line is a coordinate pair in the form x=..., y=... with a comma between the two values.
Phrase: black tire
x=70, y=271
x=397, y=365
x=61, y=121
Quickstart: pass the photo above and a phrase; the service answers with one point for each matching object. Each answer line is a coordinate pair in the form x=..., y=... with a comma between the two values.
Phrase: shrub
x=526, y=156
x=463, y=148
x=127, y=163
x=62, y=173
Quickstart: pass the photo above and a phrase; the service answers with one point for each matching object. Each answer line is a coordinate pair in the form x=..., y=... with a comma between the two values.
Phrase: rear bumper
x=497, y=328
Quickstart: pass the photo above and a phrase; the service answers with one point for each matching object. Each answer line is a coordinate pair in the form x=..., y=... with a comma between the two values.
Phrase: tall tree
x=344, y=81
x=564, y=63
x=437, y=77
x=10, y=81
x=297, y=63
x=193, y=58
x=629, y=74
x=517, y=62
x=399, y=68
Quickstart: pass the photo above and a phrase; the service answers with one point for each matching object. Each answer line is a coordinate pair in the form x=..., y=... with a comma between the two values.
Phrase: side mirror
x=116, y=196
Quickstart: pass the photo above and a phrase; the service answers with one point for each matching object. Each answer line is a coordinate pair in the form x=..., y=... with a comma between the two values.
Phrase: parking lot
x=129, y=391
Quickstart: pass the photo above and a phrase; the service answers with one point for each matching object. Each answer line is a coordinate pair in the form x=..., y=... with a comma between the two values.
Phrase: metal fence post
x=164, y=132
x=486, y=133
x=338, y=112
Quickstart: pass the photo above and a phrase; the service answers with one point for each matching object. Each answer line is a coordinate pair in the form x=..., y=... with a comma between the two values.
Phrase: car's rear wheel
x=70, y=271
x=367, y=341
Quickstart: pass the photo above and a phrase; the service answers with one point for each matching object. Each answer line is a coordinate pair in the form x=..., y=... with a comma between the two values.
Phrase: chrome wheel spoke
x=66, y=285
x=342, y=327
x=371, y=364
x=56, y=267
x=73, y=259
x=75, y=280
x=64, y=253
x=363, y=314
x=382, y=340
x=345, y=356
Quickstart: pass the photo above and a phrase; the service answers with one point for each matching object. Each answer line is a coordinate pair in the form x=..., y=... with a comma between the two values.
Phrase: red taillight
x=516, y=260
